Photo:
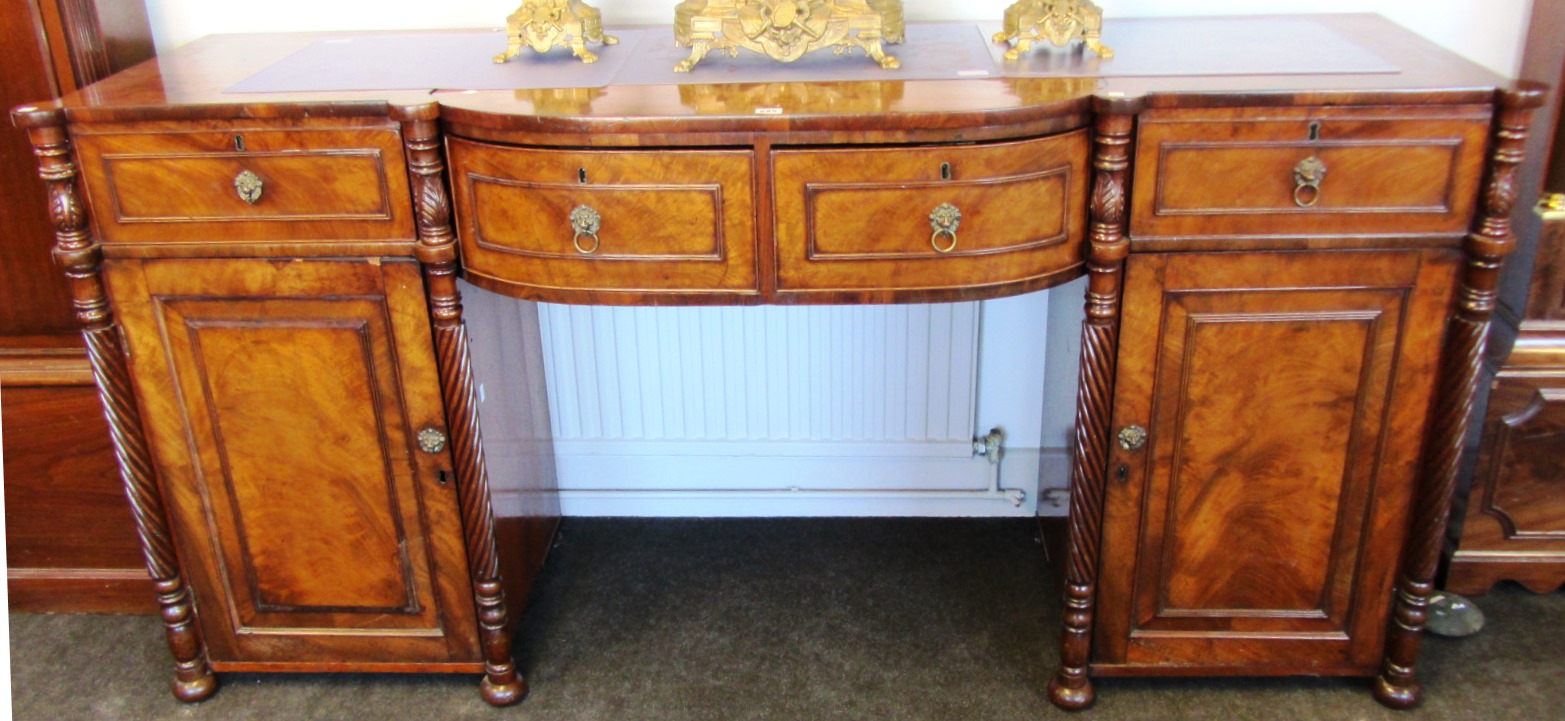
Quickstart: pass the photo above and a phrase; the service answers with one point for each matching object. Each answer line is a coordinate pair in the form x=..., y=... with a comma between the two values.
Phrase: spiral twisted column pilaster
x=81, y=259
x=437, y=254
x=1071, y=688
x=1460, y=365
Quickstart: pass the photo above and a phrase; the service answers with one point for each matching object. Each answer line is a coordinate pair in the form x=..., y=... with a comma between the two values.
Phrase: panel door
x=1259, y=528
x=283, y=399
x=1513, y=527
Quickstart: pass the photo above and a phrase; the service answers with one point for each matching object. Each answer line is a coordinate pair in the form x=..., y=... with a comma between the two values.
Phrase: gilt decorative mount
x=785, y=30
x=547, y=24
x=1059, y=22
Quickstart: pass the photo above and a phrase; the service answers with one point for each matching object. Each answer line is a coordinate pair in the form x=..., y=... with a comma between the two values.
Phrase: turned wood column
x=1071, y=689
x=1460, y=364
x=81, y=258
x=436, y=252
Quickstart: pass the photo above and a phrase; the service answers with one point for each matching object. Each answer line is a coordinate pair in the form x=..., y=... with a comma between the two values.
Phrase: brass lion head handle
x=1132, y=438
x=586, y=223
x=249, y=186
x=944, y=220
x=1308, y=175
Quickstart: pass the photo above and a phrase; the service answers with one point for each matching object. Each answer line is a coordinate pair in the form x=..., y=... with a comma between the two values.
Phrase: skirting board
x=81, y=590
x=831, y=485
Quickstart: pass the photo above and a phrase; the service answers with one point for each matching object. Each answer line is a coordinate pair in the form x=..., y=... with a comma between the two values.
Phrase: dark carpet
x=798, y=619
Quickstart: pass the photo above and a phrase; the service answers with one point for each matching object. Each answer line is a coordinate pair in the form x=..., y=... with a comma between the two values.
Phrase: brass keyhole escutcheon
x=1132, y=438
x=249, y=186
x=586, y=223
x=945, y=220
x=431, y=440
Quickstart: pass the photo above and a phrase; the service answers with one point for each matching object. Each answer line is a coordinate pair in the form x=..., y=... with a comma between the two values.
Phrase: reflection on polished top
x=190, y=82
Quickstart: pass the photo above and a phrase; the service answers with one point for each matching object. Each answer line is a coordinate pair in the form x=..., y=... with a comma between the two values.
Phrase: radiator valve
x=991, y=446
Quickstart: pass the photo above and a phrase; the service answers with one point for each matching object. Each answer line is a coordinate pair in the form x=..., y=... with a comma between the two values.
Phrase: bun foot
x=1400, y=697
x=195, y=690
x=1071, y=694
x=502, y=694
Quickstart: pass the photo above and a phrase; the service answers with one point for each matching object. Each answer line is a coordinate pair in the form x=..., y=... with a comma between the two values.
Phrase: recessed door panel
x=1260, y=525
x=283, y=398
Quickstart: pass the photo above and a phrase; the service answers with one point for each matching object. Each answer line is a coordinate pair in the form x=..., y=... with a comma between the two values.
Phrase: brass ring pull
x=1308, y=175
x=586, y=222
x=945, y=220
x=249, y=186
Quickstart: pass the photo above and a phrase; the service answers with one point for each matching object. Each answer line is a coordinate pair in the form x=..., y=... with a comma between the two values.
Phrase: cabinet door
x=1259, y=528
x=282, y=399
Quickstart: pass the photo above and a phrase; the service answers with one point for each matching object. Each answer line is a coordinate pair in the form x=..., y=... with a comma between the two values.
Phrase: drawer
x=863, y=219
x=306, y=184
x=652, y=222
x=1241, y=172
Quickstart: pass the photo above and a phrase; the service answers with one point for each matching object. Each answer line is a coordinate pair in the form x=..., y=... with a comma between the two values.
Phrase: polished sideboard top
x=768, y=174
x=189, y=83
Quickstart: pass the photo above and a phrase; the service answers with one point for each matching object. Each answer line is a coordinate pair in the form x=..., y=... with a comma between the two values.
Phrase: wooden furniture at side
x=1276, y=368
x=59, y=466
x=1513, y=524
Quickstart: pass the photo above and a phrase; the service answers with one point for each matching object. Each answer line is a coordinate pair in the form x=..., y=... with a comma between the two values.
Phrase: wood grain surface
x=1514, y=521
x=859, y=219
x=283, y=399
x=1284, y=356
x=1258, y=529
x=674, y=222
x=160, y=185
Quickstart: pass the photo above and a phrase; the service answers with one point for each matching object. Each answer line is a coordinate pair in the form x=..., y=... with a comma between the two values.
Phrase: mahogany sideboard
x=1291, y=280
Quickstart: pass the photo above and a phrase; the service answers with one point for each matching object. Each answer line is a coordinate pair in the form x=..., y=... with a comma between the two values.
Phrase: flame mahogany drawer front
x=865, y=218
x=247, y=184
x=636, y=222
x=1280, y=172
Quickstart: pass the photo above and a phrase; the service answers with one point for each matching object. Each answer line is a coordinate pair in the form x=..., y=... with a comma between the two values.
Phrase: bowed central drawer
x=930, y=218
x=654, y=222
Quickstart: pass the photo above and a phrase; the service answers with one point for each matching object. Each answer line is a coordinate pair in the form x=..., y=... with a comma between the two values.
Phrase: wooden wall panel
x=33, y=297
x=59, y=469
x=70, y=541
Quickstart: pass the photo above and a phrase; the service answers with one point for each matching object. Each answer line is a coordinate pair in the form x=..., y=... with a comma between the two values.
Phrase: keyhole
x=1315, y=130
x=1122, y=473
x=239, y=143
x=945, y=171
x=581, y=175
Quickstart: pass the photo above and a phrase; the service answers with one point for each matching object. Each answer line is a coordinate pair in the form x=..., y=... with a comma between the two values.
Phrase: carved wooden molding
x=1461, y=363
x=81, y=258
x=1070, y=688
x=436, y=251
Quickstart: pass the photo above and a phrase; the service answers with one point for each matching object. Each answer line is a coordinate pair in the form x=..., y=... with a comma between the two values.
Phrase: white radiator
x=866, y=410
x=763, y=411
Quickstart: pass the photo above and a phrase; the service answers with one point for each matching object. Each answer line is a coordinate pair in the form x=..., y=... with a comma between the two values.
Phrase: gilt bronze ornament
x=546, y=24
x=831, y=98
x=785, y=30
x=1060, y=22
